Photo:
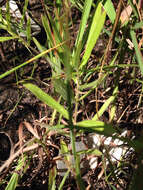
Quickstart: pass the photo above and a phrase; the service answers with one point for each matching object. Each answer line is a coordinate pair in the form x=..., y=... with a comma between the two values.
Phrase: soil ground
x=18, y=105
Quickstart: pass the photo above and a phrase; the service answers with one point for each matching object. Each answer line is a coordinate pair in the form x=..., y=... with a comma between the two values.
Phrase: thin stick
x=13, y=156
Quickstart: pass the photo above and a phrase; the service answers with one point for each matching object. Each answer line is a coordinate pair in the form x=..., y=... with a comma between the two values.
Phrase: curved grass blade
x=95, y=30
x=41, y=95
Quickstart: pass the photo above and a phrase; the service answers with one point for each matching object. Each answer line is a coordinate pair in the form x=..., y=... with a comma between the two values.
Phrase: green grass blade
x=28, y=31
x=106, y=105
x=3, y=39
x=63, y=180
x=97, y=126
x=52, y=178
x=134, y=8
x=47, y=28
x=15, y=176
x=64, y=150
x=24, y=12
x=137, y=50
x=96, y=83
x=29, y=61
x=110, y=10
x=54, y=65
x=95, y=30
x=93, y=151
x=41, y=95
x=8, y=18
x=85, y=15
x=13, y=182
x=79, y=39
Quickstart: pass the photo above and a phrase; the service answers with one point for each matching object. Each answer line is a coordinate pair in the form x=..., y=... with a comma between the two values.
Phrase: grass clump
x=86, y=96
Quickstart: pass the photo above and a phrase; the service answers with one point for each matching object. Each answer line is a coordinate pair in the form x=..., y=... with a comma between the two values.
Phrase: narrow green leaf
x=3, y=39
x=106, y=104
x=52, y=178
x=93, y=84
x=63, y=180
x=79, y=39
x=110, y=10
x=94, y=152
x=95, y=30
x=29, y=61
x=98, y=81
x=8, y=17
x=24, y=12
x=41, y=95
x=85, y=15
x=54, y=65
x=28, y=31
x=64, y=150
x=13, y=182
x=137, y=50
x=97, y=126
x=47, y=28
x=3, y=26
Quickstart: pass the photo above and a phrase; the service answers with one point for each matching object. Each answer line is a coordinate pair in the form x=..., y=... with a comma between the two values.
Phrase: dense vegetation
x=71, y=92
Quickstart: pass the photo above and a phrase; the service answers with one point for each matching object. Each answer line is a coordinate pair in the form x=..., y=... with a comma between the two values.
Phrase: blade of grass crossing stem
x=106, y=104
x=137, y=50
x=41, y=95
x=77, y=4
x=56, y=67
x=110, y=10
x=95, y=30
x=93, y=151
x=78, y=43
x=96, y=84
x=31, y=60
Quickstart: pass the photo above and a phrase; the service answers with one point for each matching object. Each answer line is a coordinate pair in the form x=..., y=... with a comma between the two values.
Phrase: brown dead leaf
x=125, y=15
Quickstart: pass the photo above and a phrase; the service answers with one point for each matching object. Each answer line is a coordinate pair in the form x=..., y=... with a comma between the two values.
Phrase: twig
x=13, y=156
